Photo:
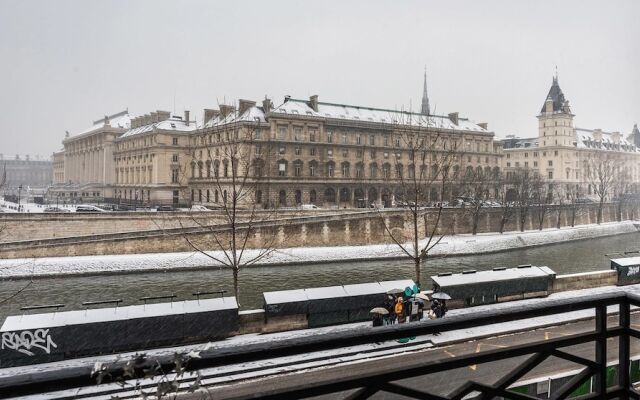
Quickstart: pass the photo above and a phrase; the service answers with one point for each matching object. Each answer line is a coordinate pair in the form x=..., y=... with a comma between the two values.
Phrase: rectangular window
x=372, y=140
x=282, y=169
x=330, y=152
x=386, y=154
x=297, y=134
x=175, y=141
x=358, y=138
x=258, y=150
x=397, y=142
x=373, y=154
x=282, y=132
x=550, y=174
x=312, y=151
x=386, y=140
x=345, y=152
x=174, y=158
x=555, y=153
x=312, y=135
x=329, y=137
x=297, y=151
x=551, y=163
x=297, y=170
x=282, y=150
x=344, y=138
x=359, y=153
x=535, y=163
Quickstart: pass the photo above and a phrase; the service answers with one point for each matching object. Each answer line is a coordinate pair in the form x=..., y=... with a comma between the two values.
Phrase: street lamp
x=19, y=190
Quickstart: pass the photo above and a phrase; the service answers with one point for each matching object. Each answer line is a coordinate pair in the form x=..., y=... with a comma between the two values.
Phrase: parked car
x=309, y=207
x=84, y=208
x=165, y=208
x=198, y=207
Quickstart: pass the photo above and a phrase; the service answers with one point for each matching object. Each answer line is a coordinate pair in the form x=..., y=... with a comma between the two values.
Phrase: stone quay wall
x=130, y=233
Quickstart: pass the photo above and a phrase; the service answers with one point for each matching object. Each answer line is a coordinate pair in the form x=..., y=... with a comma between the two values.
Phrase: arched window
x=258, y=167
x=313, y=197
x=216, y=168
x=200, y=166
x=412, y=171
x=282, y=198
x=298, y=197
x=469, y=172
x=329, y=195
x=434, y=171
x=373, y=170
x=282, y=168
x=386, y=171
x=344, y=195
x=259, y=196
x=313, y=167
x=193, y=171
x=331, y=169
x=225, y=168
x=208, y=165
x=297, y=168
x=359, y=170
x=215, y=196
x=399, y=171
x=345, y=169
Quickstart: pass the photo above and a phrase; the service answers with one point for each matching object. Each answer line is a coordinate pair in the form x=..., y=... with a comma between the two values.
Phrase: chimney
x=147, y=119
x=483, y=125
x=154, y=117
x=266, y=105
x=106, y=121
x=615, y=136
x=454, y=117
x=597, y=135
x=186, y=117
x=226, y=110
x=313, y=102
x=209, y=114
x=244, y=105
x=163, y=115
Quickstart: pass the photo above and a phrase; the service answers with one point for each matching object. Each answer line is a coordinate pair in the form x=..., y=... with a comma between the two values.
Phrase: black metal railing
x=363, y=382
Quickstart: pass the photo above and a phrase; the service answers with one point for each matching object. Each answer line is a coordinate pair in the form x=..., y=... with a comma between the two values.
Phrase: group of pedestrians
x=404, y=309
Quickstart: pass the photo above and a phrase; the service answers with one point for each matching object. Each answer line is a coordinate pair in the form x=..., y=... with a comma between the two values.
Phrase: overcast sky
x=67, y=63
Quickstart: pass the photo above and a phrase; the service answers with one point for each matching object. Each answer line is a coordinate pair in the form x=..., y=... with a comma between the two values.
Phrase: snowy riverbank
x=449, y=246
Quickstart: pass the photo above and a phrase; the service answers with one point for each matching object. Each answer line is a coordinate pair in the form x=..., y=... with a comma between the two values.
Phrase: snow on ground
x=30, y=208
x=449, y=245
x=444, y=338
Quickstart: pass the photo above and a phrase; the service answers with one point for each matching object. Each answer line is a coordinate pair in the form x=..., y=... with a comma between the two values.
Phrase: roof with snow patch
x=173, y=123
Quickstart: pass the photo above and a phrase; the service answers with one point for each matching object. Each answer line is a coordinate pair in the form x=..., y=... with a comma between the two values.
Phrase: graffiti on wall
x=26, y=341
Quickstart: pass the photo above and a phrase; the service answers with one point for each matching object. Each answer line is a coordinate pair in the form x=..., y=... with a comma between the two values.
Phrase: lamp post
x=19, y=191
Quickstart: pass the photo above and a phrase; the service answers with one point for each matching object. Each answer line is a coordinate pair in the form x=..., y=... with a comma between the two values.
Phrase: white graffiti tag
x=633, y=270
x=26, y=340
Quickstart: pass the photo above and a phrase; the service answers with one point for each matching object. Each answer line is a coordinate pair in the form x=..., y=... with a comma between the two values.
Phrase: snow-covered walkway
x=449, y=245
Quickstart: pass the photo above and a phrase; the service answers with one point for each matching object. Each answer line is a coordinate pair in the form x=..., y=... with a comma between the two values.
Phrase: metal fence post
x=601, y=350
x=624, y=349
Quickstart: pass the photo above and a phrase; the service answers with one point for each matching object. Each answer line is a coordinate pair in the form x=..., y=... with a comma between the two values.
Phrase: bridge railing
x=364, y=383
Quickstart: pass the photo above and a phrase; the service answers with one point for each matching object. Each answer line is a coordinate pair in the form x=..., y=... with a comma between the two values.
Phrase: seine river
x=581, y=256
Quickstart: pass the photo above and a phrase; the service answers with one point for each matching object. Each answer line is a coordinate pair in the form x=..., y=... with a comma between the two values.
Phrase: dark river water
x=581, y=256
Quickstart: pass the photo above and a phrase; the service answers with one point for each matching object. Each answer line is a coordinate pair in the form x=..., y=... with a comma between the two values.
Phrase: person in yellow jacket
x=400, y=310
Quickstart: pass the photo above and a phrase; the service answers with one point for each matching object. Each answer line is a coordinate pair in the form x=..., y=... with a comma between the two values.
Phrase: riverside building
x=564, y=154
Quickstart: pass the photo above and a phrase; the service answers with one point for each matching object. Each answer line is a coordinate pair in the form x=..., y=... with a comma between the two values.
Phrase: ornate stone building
x=149, y=160
x=89, y=173
x=26, y=172
x=562, y=153
x=328, y=154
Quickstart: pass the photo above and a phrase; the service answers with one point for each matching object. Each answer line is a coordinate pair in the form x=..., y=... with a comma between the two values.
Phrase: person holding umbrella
x=400, y=310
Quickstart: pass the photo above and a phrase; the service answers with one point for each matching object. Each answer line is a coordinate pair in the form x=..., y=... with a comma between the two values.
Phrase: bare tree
x=476, y=188
x=426, y=180
x=504, y=195
x=602, y=169
x=541, y=195
x=623, y=185
x=231, y=167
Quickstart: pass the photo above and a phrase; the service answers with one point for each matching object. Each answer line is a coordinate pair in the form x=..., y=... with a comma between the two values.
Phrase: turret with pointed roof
x=425, y=97
x=635, y=135
x=558, y=102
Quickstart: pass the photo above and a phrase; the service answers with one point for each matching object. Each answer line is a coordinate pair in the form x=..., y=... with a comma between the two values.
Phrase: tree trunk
x=417, y=262
x=599, y=218
x=236, y=288
x=573, y=216
x=476, y=217
x=558, y=223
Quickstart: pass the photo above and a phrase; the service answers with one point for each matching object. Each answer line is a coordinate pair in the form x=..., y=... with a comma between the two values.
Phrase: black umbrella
x=395, y=291
x=440, y=296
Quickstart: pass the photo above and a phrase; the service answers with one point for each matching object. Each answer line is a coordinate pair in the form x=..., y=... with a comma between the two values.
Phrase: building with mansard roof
x=561, y=153
x=306, y=151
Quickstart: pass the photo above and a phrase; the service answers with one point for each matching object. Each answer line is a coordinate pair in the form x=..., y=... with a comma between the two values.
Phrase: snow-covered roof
x=585, y=139
x=77, y=317
x=626, y=261
x=297, y=295
x=172, y=124
x=120, y=120
x=491, y=275
x=252, y=114
x=368, y=114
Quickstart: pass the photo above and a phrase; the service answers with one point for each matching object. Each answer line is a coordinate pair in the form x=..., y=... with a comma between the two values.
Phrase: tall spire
x=425, y=97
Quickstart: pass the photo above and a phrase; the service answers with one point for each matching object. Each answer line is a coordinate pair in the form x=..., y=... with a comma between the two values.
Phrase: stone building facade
x=562, y=153
x=26, y=172
x=327, y=154
x=150, y=158
x=89, y=173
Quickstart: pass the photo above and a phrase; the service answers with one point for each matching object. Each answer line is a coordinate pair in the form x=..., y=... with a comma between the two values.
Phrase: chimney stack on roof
x=244, y=105
x=154, y=117
x=313, y=102
x=616, y=136
x=209, y=114
x=597, y=135
x=106, y=121
x=454, y=117
x=163, y=115
x=226, y=110
x=186, y=117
